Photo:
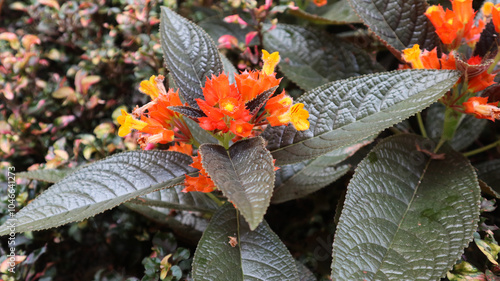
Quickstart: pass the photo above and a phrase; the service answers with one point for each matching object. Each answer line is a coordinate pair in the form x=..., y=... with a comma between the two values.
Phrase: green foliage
x=189, y=53
x=398, y=24
x=101, y=186
x=229, y=243
x=245, y=175
x=70, y=68
x=401, y=200
x=313, y=58
x=346, y=111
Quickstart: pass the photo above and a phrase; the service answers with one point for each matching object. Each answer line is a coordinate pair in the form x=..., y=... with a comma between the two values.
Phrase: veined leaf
x=343, y=112
x=190, y=54
x=399, y=24
x=244, y=173
x=229, y=69
x=312, y=58
x=256, y=255
x=100, y=186
x=335, y=12
x=48, y=175
x=174, y=198
x=199, y=134
x=304, y=273
x=406, y=216
x=300, y=179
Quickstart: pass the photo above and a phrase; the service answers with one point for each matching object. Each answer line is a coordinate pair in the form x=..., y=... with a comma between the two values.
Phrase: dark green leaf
x=344, y=112
x=406, y=216
x=244, y=173
x=174, y=198
x=399, y=24
x=258, y=254
x=304, y=273
x=49, y=175
x=489, y=172
x=254, y=105
x=467, y=132
x=188, y=111
x=335, y=12
x=199, y=134
x=311, y=58
x=190, y=54
x=300, y=179
x=100, y=186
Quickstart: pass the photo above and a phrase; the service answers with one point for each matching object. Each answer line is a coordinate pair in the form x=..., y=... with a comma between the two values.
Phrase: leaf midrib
x=419, y=183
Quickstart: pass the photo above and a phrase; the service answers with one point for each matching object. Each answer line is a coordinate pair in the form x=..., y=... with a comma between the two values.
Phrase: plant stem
x=421, y=125
x=214, y=198
x=495, y=61
x=482, y=149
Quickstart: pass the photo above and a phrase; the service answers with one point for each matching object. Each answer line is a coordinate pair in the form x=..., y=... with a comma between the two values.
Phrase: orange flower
x=428, y=59
x=320, y=3
x=202, y=182
x=182, y=148
x=413, y=56
x=241, y=128
x=158, y=133
x=217, y=88
x=298, y=117
x=495, y=15
x=487, y=8
x=159, y=111
x=454, y=25
x=480, y=82
x=148, y=87
x=251, y=84
x=480, y=107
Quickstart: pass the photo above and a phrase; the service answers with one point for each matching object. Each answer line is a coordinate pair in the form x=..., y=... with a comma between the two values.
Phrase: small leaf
x=311, y=58
x=174, y=198
x=254, y=105
x=244, y=173
x=188, y=111
x=399, y=24
x=335, y=12
x=100, y=186
x=347, y=111
x=466, y=133
x=406, y=216
x=49, y=175
x=190, y=54
x=487, y=44
x=63, y=92
x=199, y=134
x=258, y=254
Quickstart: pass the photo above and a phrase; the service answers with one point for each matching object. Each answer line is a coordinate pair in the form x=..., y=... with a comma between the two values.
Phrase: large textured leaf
x=190, y=54
x=406, y=216
x=244, y=173
x=300, y=179
x=200, y=135
x=335, y=12
x=489, y=172
x=174, y=198
x=48, y=175
x=467, y=132
x=311, y=58
x=346, y=111
x=101, y=186
x=258, y=254
x=229, y=69
x=400, y=24
x=304, y=273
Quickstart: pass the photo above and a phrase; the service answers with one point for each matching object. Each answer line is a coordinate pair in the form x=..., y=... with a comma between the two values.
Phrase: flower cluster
x=457, y=30
x=229, y=112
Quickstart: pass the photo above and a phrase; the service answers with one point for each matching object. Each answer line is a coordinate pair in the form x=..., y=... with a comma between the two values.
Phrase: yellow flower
x=298, y=117
x=128, y=123
x=270, y=62
x=413, y=56
x=149, y=87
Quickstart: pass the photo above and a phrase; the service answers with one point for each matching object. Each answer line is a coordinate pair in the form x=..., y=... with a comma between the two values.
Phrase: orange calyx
x=201, y=183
